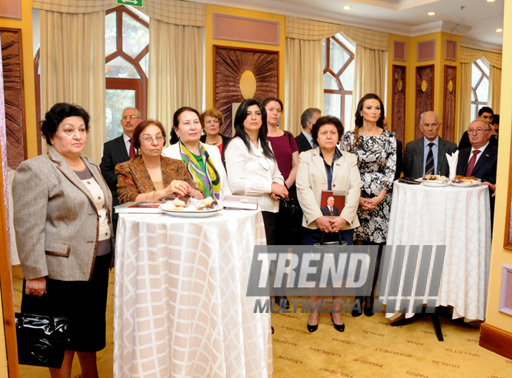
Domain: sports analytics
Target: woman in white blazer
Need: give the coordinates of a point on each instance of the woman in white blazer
(327, 168)
(62, 218)
(251, 166)
(203, 162)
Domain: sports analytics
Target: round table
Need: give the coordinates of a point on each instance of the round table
(455, 217)
(180, 297)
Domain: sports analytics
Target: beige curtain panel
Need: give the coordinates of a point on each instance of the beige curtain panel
(175, 69)
(303, 74)
(495, 88)
(73, 6)
(469, 55)
(176, 12)
(73, 68)
(304, 66)
(464, 99)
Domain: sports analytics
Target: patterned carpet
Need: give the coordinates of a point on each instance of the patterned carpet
(369, 347)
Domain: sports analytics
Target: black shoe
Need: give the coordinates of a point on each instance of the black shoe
(357, 311)
(368, 306)
(312, 328)
(338, 327)
(282, 302)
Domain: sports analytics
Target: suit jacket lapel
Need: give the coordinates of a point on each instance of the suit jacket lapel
(318, 162)
(69, 173)
(421, 154)
(483, 159)
(121, 147)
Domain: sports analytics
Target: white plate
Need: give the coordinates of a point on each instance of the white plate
(467, 184)
(435, 183)
(192, 213)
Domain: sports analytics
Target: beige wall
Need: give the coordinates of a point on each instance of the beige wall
(499, 254)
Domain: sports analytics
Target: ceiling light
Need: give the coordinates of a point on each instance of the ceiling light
(431, 13)
(347, 7)
(491, 1)
(499, 30)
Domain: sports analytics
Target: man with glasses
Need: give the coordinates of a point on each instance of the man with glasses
(427, 155)
(119, 150)
(481, 158)
(486, 114)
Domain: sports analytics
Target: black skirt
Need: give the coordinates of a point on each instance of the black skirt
(84, 303)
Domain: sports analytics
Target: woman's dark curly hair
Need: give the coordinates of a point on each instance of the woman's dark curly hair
(58, 112)
(327, 120)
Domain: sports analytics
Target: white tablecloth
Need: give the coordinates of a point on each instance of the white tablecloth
(180, 303)
(458, 218)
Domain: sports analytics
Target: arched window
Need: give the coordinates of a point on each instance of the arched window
(338, 77)
(126, 64)
(479, 86)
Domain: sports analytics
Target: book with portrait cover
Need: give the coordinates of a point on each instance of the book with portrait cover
(332, 202)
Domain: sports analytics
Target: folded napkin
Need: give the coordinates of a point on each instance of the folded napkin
(452, 163)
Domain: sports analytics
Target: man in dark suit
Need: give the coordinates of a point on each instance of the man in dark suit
(118, 150)
(330, 209)
(304, 140)
(481, 159)
(427, 155)
(487, 115)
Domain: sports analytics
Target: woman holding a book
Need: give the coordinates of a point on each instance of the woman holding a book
(326, 172)
(150, 176)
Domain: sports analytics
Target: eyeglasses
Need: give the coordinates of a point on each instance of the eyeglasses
(478, 131)
(149, 140)
(130, 117)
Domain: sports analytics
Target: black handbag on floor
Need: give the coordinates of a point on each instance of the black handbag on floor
(41, 339)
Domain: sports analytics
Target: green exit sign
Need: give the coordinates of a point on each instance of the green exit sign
(135, 3)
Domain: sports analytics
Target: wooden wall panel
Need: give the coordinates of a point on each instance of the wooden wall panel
(398, 102)
(13, 94)
(236, 70)
(450, 85)
(424, 94)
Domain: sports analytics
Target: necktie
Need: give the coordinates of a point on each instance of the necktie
(132, 150)
(429, 164)
(331, 211)
(472, 162)
(315, 144)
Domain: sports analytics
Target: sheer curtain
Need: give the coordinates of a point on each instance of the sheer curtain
(176, 57)
(73, 61)
(304, 84)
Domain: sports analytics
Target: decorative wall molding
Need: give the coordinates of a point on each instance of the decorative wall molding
(449, 103)
(398, 101)
(424, 94)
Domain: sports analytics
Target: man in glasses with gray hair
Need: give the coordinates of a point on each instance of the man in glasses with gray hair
(119, 150)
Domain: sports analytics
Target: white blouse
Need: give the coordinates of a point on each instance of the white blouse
(250, 173)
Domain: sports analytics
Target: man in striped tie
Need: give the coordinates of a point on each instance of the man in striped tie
(427, 155)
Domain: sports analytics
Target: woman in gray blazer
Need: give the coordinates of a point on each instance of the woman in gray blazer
(62, 219)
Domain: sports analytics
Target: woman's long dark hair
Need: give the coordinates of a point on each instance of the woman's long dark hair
(241, 116)
(359, 117)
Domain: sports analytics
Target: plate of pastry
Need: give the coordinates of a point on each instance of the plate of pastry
(193, 208)
(465, 181)
(435, 180)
